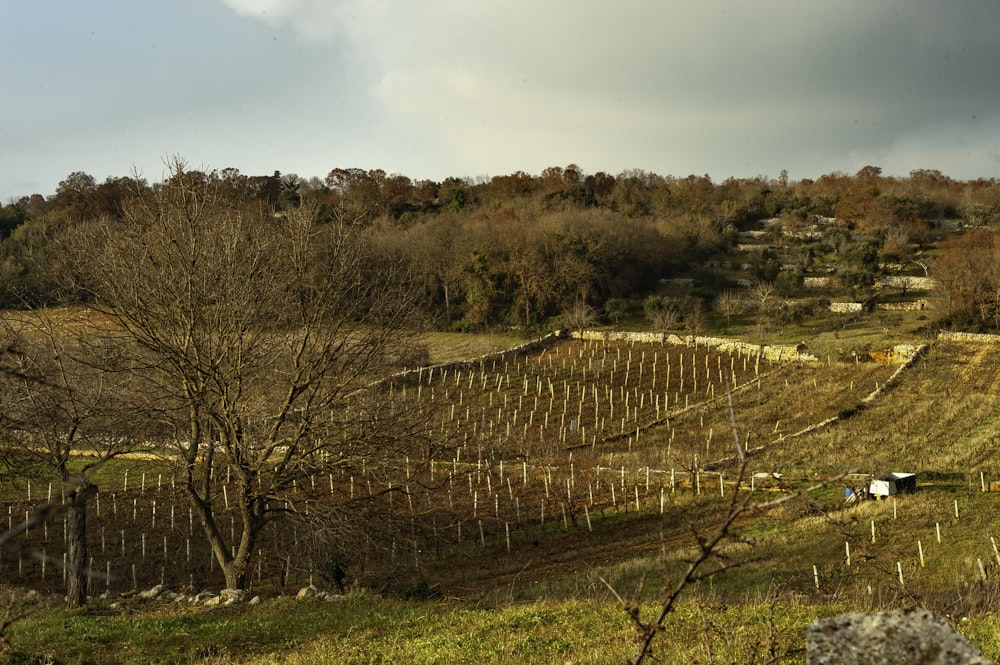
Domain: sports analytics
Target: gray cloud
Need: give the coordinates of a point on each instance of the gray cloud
(452, 87)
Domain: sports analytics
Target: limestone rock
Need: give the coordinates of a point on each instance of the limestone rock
(900, 637)
(152, 593)
(230, 596)
(202, 597)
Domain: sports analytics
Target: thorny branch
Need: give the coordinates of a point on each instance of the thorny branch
(740, 504)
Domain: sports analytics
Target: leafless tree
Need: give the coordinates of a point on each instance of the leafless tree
(729, 304)
(694, 318)
(664, 318)
(579, 317)
(763, 294)
(255, 336)
(65, 400)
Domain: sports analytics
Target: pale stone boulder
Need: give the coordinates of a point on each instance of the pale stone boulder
(900, 637)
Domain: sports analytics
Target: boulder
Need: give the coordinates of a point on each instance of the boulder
(900, 637)
(202, 597)
(151, 593)
(307, 592)
(230, 596)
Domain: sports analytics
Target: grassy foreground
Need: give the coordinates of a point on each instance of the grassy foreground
(372, 630)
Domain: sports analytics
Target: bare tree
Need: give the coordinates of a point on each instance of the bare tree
(64, 402)
(664, 318)
(579, 317)
(729, 304)
(255, 336)
(763, 295)
(694, 318)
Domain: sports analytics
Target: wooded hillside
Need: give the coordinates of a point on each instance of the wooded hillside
(566, 247)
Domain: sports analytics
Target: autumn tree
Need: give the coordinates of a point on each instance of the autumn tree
(255, 336)
(967, 272)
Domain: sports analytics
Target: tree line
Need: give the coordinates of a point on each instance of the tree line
(521, 250)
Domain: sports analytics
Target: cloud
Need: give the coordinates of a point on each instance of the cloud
(452, 87)
(525, 84)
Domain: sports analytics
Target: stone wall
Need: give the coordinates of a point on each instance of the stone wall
(978, 338)
(907, 281)
(410, 376)
(910, 306)
(774, 352)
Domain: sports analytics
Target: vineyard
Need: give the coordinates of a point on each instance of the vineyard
(558, 441)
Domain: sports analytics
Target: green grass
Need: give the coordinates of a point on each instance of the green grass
(371, 630)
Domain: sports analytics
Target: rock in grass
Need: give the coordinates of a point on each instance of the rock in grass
(230, 596)
(307, 592)
(900, 637)
(152, 593)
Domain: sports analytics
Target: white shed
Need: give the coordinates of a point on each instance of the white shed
(893, 483)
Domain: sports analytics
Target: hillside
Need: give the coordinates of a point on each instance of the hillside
(586, 466)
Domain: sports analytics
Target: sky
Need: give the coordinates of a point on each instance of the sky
(475, 88)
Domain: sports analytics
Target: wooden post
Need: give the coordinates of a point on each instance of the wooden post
(920, 551)
(847, 549)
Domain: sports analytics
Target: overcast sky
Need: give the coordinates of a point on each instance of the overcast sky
(469, 88)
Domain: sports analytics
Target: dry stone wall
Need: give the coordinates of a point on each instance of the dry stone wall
(774, 352)
(978, 338)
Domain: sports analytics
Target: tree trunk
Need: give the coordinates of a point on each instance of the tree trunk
(76, 531)
(233, 558)
(237, 569)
